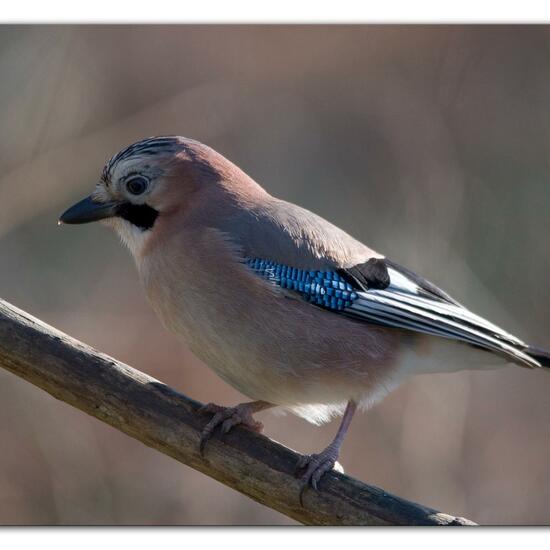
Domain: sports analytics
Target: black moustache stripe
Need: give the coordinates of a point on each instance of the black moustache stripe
(140, 215)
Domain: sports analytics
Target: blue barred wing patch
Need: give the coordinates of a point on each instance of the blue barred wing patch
(323, 288)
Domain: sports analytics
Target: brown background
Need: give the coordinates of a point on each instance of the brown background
(428, 143)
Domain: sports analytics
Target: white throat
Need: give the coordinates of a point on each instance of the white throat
(131, 236)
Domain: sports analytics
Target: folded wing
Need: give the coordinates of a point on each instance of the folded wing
(382, 292)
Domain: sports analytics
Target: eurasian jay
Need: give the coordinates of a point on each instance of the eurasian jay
(287, 308)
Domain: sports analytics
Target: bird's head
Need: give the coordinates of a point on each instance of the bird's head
(153, 179)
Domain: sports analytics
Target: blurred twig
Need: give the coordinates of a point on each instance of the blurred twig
(167, 421)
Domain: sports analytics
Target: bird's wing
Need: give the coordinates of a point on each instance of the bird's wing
(382, 292)
(308, 256)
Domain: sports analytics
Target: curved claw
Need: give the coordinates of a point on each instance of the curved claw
(302, 491)
(227, 417)
(207, 431)
(316, 466)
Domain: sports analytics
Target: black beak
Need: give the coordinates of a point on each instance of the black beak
(87, 211)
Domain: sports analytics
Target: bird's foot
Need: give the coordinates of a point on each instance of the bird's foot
(228, 417)
(316, 465)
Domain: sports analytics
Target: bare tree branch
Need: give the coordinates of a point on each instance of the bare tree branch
(167, 421)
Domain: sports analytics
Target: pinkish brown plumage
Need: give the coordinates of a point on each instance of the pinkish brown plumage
(281, 304)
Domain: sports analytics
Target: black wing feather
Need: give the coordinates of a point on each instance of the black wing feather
(391, 295)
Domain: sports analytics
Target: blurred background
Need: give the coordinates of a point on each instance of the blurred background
(430, 143)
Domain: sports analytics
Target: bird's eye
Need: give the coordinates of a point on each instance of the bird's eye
(137, 185)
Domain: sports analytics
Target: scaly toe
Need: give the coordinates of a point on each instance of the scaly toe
(302, 463)
(227, 417)
(316, 466)
(313, 466)
(229, 423)
(208, 430)
(320, 471)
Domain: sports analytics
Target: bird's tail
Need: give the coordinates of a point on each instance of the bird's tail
(539, 354)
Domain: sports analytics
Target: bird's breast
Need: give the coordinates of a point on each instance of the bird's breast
(265, 343)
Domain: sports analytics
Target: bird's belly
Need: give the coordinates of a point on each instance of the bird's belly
(281, 350)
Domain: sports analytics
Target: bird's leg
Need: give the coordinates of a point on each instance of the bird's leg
(228, 417)
(317, 464)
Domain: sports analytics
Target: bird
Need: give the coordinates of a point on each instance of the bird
(281, 304)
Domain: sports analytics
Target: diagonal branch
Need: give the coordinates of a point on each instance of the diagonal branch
(167, 421)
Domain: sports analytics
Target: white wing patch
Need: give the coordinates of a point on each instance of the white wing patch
(400, 283)
(403, 304)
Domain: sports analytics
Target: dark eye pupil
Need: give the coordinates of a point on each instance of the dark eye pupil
(136, 186)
